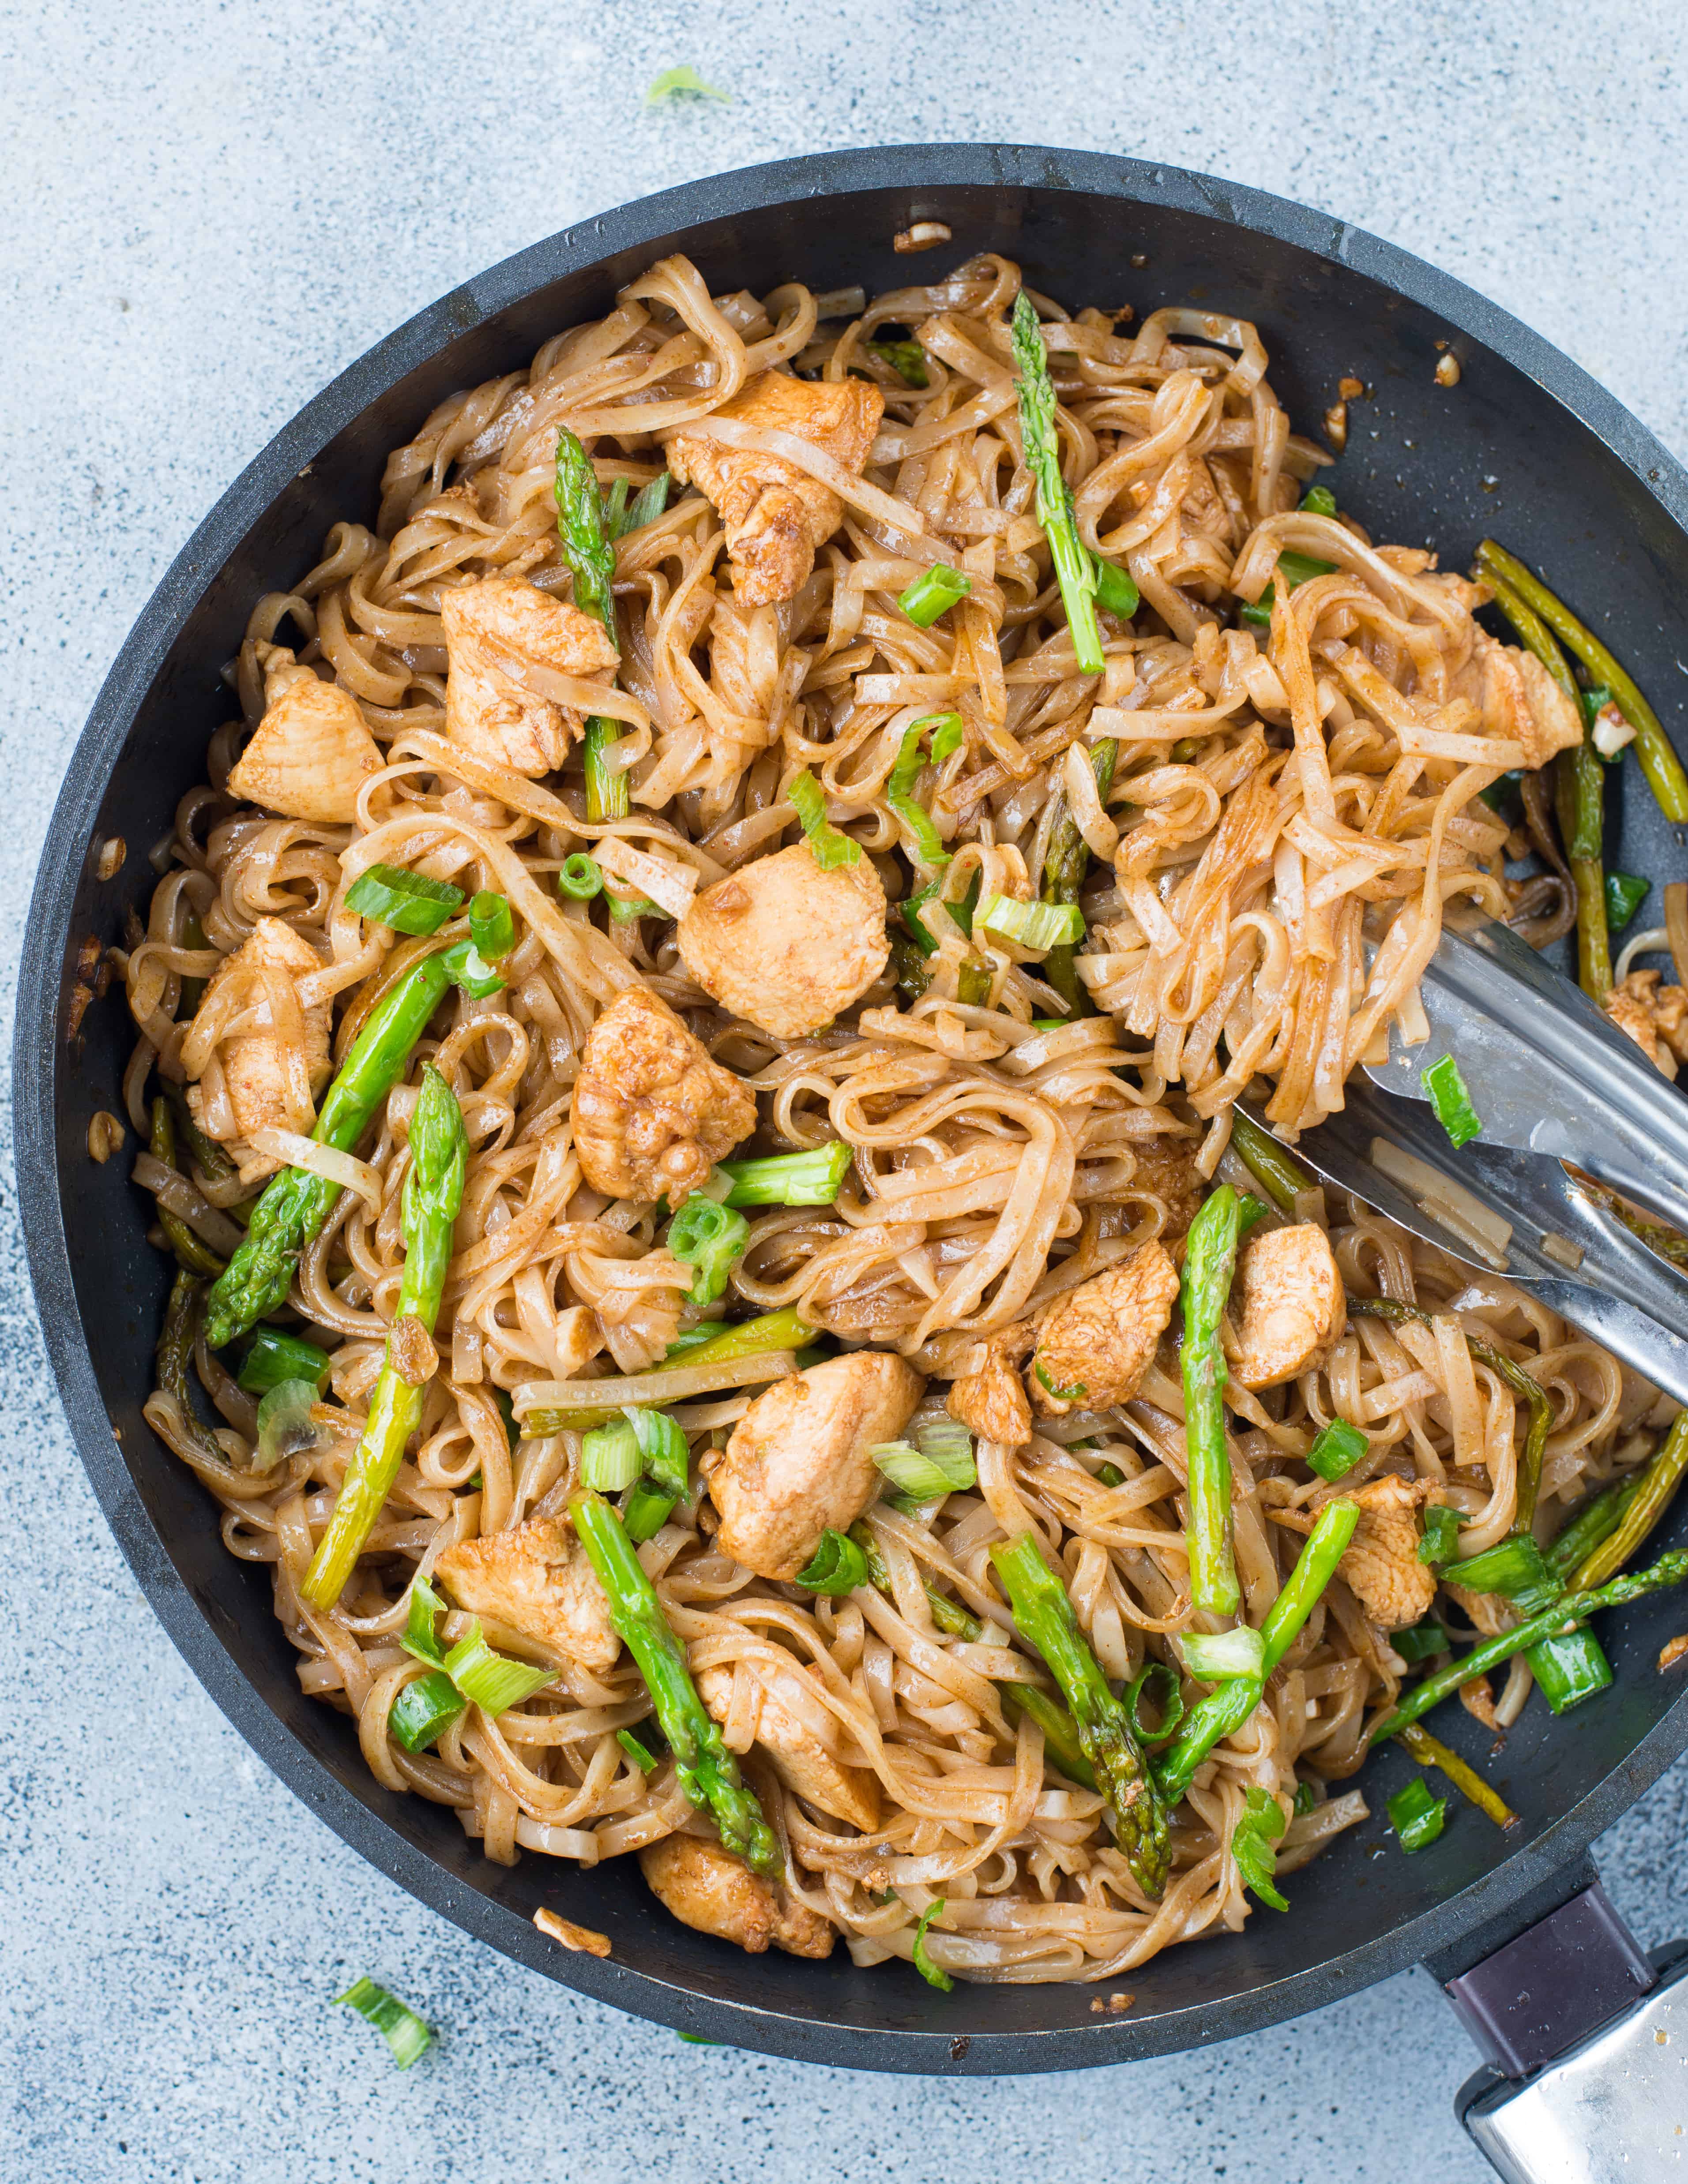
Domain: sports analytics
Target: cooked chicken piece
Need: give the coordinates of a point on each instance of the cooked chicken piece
(1100, 1340)
(1380, 1564)
(1489, 1614)
(1166, 1169)
(1293, 1306)
(312, 751)
(706, 1887)
(538, 1579)
(1521, 699)
(991, 1402)
(777, 515)
(253, 1061)
(652, 1112)
(1655, 1016)
(785, 945)
(798, 1463)
(493, 628)
(799, 1738)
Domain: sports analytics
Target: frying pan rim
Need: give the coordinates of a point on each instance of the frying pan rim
(911, 170)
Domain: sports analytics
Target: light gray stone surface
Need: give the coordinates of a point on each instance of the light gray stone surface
(211, 210)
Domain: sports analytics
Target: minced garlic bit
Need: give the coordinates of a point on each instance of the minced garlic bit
(1351, 389)
(1336, 426)
(1447, 370)
(105, 1134)
(922, 236)
(1673, 1653)
(581, 1939)
(113, 851)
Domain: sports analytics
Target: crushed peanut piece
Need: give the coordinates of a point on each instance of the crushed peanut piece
(1351, 389)
(1673, 1653)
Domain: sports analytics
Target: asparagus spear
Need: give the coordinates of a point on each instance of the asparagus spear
(174, 1353)
(591, 560)
(1045, 1619)
(750, 1338)
(1065, 863)
(1073, 568)
(1644, 1506)
(1279, 1176)
(296, 1203)
(192, 1252)
(1210, 1262)
(1430, 1751)
(708, 1772)
(1570, 1613)
(433, 1192)
(1598, 1520)
(1659, 761)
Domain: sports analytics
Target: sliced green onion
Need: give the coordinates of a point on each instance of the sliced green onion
(948, 1444)
(491, 925)
(645, 1511)
(907, 359)
(647, 505)
(419, 1638)
(934, 593)
(710, 1240)
(664, 1452)
(838, 1565)
(1035, 925)
(1169, 1701)
(1450, 1101)
(1440, 1541)
(1513, 1569)
(1569, 1668)
(1215, 1655)
(1305, 1800)
(404, 2031)
(610, 1456)
(1318, 500)
(580, 878)
(490, 1681)
(424, 1710)
(642, 1756)
(828, 846)
(465, 967)
(900, 796)
(683, 83)
(1253, 1844)
(1295, 569)
(1415, 1816)
(1116, 589)
(1593, 1524)
(923, 1478)
(274, 1357)
(403, 900)
(814, 1177)
(948, 734)
(284, 1426)
(501, 1397)
(1422, 1642)
(1625, 892)
(1337, 1449)
(933, 1974)
(1075, 1394)
(608, 793)
(624, 908)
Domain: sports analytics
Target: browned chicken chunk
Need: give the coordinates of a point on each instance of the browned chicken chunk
(786, 945)
(801, 1740)
(1293, 1307)
(798, 1463)
(992, 1403)
(312, 751)
(652, 1112)
(538, 1579)
(774, 515)
(1166, 1169)
(706, 1887)
(495, 628)
(1380, 1565)
(254, 1062)
(1654, 1016)
(1100, 1340)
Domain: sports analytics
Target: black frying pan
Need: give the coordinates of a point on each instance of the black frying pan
(1525, 446)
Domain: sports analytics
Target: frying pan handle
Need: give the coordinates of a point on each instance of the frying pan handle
(1587, 2042)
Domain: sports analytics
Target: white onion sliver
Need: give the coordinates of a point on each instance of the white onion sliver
(294, 1151)
(177, 1196)
(673, 1386)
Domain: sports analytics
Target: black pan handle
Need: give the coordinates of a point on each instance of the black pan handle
(1585, 2039)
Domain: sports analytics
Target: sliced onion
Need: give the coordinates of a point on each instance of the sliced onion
(284, 1423)
(177, 1196)
(292, 1150)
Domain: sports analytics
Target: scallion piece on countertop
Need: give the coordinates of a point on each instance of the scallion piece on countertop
(838, 1565)
(1254, 1844)
(1318, 500)
(1441, 1542)
(710, 1240)
(907, 359)
(813, 1177)
(933, 1974)
(1336, 1449)
(273, 1357)
(828, 846)
(1569, 1668)
(424, 1710)
(581, 879)
(1075, 567)
(491, 925)
(1450, 1101)
(1415, 1816)
(641, 1755)
(682, 83)
(934, 592)
(399, 2024)
(1034, 925)
(1625, 892)
(284, 1426)
(404, 901)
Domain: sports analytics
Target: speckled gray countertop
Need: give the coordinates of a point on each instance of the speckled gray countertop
(212, 208)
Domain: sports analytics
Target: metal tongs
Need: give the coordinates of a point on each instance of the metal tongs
(1557, 1087)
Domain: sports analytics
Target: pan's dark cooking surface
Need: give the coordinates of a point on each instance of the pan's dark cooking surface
(1524, 446)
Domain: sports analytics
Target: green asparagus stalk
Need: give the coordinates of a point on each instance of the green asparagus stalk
(1570, 1613)
(174, 1354)
(1073, 568)
(750, 1338)
(1066, 862)
(708, 1772)
(1646, 1504)
(1044, 1615)
(1595, 1522)
(1279, 1176)
(591, 560)
(433, 1192)
(192, 1253)
(296, 1203)
(1653, 748)
(1224, 1711)
(1210, 1262)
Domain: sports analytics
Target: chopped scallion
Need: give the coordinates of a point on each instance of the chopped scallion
(682, 83)
(490, 1681)
(580, 878)
(1033, 925)
(1318, 500)
(647, 505)
(1295, 569)
(926, 1478)
(404, 2031)
(814, 1177)
(837, 1567)
(829, 848)
(1450, 1101)
(1422, 1642)
(1513, 1569)
(710, 1240)
(284, 1426)
(1625, 892)
(1166, 1696)
(610, 1456)
(1570, 1667)
(424, 1710)
(403, 901)
(1441, 1534)
(907, 359)
(1116, 589)
(1337, 1449)
(1254, 1844)
(642, 1756)
(1415, 1816)
(465, 966)
(491, 925)
(1216, 1655)
(273, 1357)
(933, 1974)
(934, 593)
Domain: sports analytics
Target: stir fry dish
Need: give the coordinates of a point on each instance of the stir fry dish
(691, 1045)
